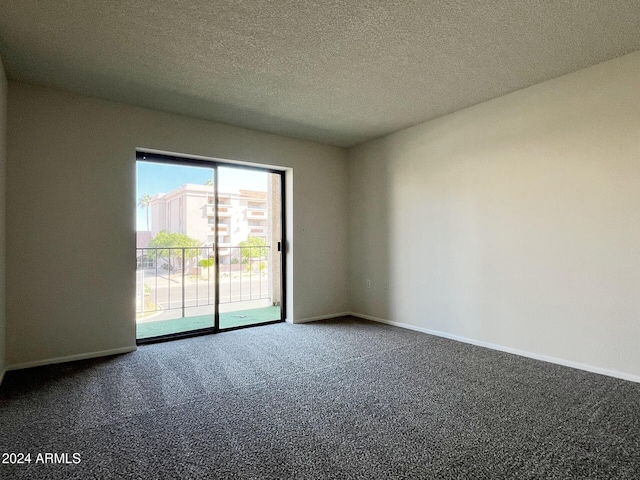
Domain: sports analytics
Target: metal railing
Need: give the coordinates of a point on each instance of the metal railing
(171, 278)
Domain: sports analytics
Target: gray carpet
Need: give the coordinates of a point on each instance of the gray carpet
(336, 399)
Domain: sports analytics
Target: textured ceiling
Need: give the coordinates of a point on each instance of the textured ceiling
(336, 71)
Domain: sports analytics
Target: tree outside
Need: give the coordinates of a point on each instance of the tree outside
(145, 202)
(206, 264)
(253, 248)
(169, 245)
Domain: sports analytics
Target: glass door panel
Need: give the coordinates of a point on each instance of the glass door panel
(249, 239)
(175, 249)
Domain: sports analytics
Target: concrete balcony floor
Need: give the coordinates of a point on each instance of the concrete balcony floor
(238, 318)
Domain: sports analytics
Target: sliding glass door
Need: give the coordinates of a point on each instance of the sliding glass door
(208, 247)
(249, 235)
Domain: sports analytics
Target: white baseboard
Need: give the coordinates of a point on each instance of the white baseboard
(71, 358)
(515, 351)
(321, 317)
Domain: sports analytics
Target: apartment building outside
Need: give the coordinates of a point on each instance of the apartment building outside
(190, 209)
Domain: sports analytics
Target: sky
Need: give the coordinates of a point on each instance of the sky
(153, 178)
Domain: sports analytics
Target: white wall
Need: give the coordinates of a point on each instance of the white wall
(71, 225)
(3, 163)
(514, 223)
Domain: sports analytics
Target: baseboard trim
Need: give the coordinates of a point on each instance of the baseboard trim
(321, 317)
(71, 358)
(501, 348)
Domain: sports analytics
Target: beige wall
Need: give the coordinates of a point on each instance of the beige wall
(70, 212)
(513, 224)
(3, 163)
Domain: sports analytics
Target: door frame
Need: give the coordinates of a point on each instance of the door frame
(151, 157)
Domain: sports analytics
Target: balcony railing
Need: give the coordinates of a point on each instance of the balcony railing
(180, 278)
